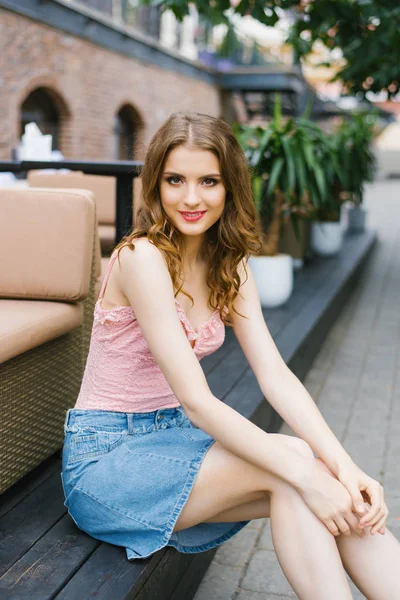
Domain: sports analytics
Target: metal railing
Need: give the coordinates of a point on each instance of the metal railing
(145, 19)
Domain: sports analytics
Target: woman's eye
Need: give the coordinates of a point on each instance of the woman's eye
(173, 177)
(170, 178)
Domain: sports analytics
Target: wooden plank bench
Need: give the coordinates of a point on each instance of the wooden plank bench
(43, 555)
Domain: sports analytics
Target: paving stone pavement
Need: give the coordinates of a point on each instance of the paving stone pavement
(355, 381)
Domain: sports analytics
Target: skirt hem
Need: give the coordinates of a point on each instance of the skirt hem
(166, 540)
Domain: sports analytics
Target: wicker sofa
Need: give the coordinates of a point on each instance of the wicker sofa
(49, 274)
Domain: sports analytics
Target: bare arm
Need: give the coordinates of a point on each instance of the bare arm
(147, 284)
(279, 384)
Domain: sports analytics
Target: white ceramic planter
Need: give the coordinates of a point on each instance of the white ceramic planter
(326, 237)
(356, 219)
(298, 263)
(274, 278)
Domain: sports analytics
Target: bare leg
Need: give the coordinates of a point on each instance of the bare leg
(306, 549)
(373, 563)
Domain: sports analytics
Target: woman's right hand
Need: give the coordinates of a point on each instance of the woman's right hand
(330, 501)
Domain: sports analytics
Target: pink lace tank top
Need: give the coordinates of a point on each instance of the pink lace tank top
(121, 373)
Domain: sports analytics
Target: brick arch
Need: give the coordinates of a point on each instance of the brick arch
(128, 122)
(48, 88)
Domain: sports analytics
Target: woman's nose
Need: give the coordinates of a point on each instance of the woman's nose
(192, 196)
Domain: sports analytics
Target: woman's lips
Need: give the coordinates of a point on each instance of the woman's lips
(189, 217)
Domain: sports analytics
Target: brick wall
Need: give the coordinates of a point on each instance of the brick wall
(89, 85)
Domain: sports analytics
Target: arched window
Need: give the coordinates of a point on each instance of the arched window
(40, 108)
(126, 129)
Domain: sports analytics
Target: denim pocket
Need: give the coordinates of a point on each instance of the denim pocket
(186, 427)
(183, 420)
(89, 443)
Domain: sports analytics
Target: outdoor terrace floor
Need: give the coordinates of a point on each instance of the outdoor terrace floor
(44, 556)
(355, 381)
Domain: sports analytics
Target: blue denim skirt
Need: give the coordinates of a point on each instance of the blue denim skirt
(126, 478)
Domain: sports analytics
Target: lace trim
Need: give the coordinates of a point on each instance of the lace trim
(207, 329)
(114, 315)
(117, 314)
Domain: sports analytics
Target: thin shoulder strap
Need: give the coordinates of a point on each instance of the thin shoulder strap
(107, 274)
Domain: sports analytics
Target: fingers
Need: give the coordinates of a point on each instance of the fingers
(380, 525)
(344, 524)
(353, 521)
(376, 519)
(377, 510)
(331, 525)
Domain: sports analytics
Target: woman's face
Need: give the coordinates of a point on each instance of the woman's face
(191, 182)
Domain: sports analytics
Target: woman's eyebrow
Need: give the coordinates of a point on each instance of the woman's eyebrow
(201, 177)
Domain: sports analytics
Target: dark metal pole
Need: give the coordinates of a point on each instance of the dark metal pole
(124, 216)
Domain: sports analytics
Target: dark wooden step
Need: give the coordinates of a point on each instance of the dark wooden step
(43, 555)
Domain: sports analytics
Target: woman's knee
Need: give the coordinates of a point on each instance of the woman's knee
(298, 445)
(303, 447)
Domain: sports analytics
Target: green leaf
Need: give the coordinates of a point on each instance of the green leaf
(265, 138)
(257, 184)
(309, 154)
(320, 179)
(308, 108)
(291, 172)
(301, 173)
(274, 176)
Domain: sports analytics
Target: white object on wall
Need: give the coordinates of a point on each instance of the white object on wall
(34, 145)
(168, 29)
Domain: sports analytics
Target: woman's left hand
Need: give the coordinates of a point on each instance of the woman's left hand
(363, 488)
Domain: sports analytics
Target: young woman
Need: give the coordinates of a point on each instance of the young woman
(151, 457)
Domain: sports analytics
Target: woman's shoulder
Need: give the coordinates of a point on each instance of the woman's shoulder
(143, 243)
(144, 253)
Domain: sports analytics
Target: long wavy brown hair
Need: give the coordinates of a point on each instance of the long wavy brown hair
(235, 235)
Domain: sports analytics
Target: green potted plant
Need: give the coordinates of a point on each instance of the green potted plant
(327, 228)
(297, 245)
(289, 184)
(348, 163)
(358, 163)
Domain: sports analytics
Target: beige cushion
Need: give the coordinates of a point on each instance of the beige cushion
(46, 244)
(102, 186)
(25, 324)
